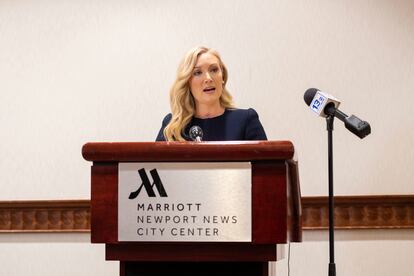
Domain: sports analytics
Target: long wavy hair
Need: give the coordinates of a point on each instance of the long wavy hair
(182, 101)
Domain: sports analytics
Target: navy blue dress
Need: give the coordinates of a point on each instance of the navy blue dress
(233, 124)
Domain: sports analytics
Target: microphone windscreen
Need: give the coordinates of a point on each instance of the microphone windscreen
(309, 95)
(196, 132)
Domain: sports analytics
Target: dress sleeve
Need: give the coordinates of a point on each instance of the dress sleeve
(254, 129)
(165, 121)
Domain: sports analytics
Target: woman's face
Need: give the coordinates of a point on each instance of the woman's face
(206, 82)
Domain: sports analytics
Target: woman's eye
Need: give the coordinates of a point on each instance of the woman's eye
(214, 70)
(196, 73)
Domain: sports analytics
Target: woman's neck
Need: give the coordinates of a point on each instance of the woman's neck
(205, 111)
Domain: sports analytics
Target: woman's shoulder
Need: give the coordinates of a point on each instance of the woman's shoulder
(242, 113)
(248, 122)
(166, 119)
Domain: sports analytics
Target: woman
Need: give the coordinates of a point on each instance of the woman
(199, 97)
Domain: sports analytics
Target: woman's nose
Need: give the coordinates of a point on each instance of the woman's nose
(208, 77)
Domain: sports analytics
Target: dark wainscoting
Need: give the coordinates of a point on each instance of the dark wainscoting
(351, 212)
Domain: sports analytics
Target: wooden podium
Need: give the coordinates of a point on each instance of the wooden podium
(275, 201)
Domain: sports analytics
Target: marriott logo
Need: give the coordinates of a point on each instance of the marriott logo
(149, 187)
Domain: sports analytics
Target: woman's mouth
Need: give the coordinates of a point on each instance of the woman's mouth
(209, 90)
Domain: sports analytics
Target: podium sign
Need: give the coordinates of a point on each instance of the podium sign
(185, 202)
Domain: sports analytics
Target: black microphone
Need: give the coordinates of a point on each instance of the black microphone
(196, 133)
(325, 105)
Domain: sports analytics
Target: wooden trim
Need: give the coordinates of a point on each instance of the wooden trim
(351, 212)
(188, 151)
(31, 216)
(360, 212)
(178, 252)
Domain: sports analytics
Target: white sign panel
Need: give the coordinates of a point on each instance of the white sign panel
(198, 202)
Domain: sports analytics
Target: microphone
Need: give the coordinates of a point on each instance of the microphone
(326, 105)
(318, 100)
(196, 133)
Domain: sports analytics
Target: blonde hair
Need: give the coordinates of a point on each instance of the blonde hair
(182, 101)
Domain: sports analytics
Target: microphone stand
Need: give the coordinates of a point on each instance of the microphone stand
(329, 127)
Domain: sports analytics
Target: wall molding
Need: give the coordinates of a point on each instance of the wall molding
(39, 216)
(351, 212)
(360, 212)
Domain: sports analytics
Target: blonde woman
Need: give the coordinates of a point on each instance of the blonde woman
(199, 97)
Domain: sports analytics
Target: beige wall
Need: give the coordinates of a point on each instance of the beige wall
(79, 71)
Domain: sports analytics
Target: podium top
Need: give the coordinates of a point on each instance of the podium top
(188, 151)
